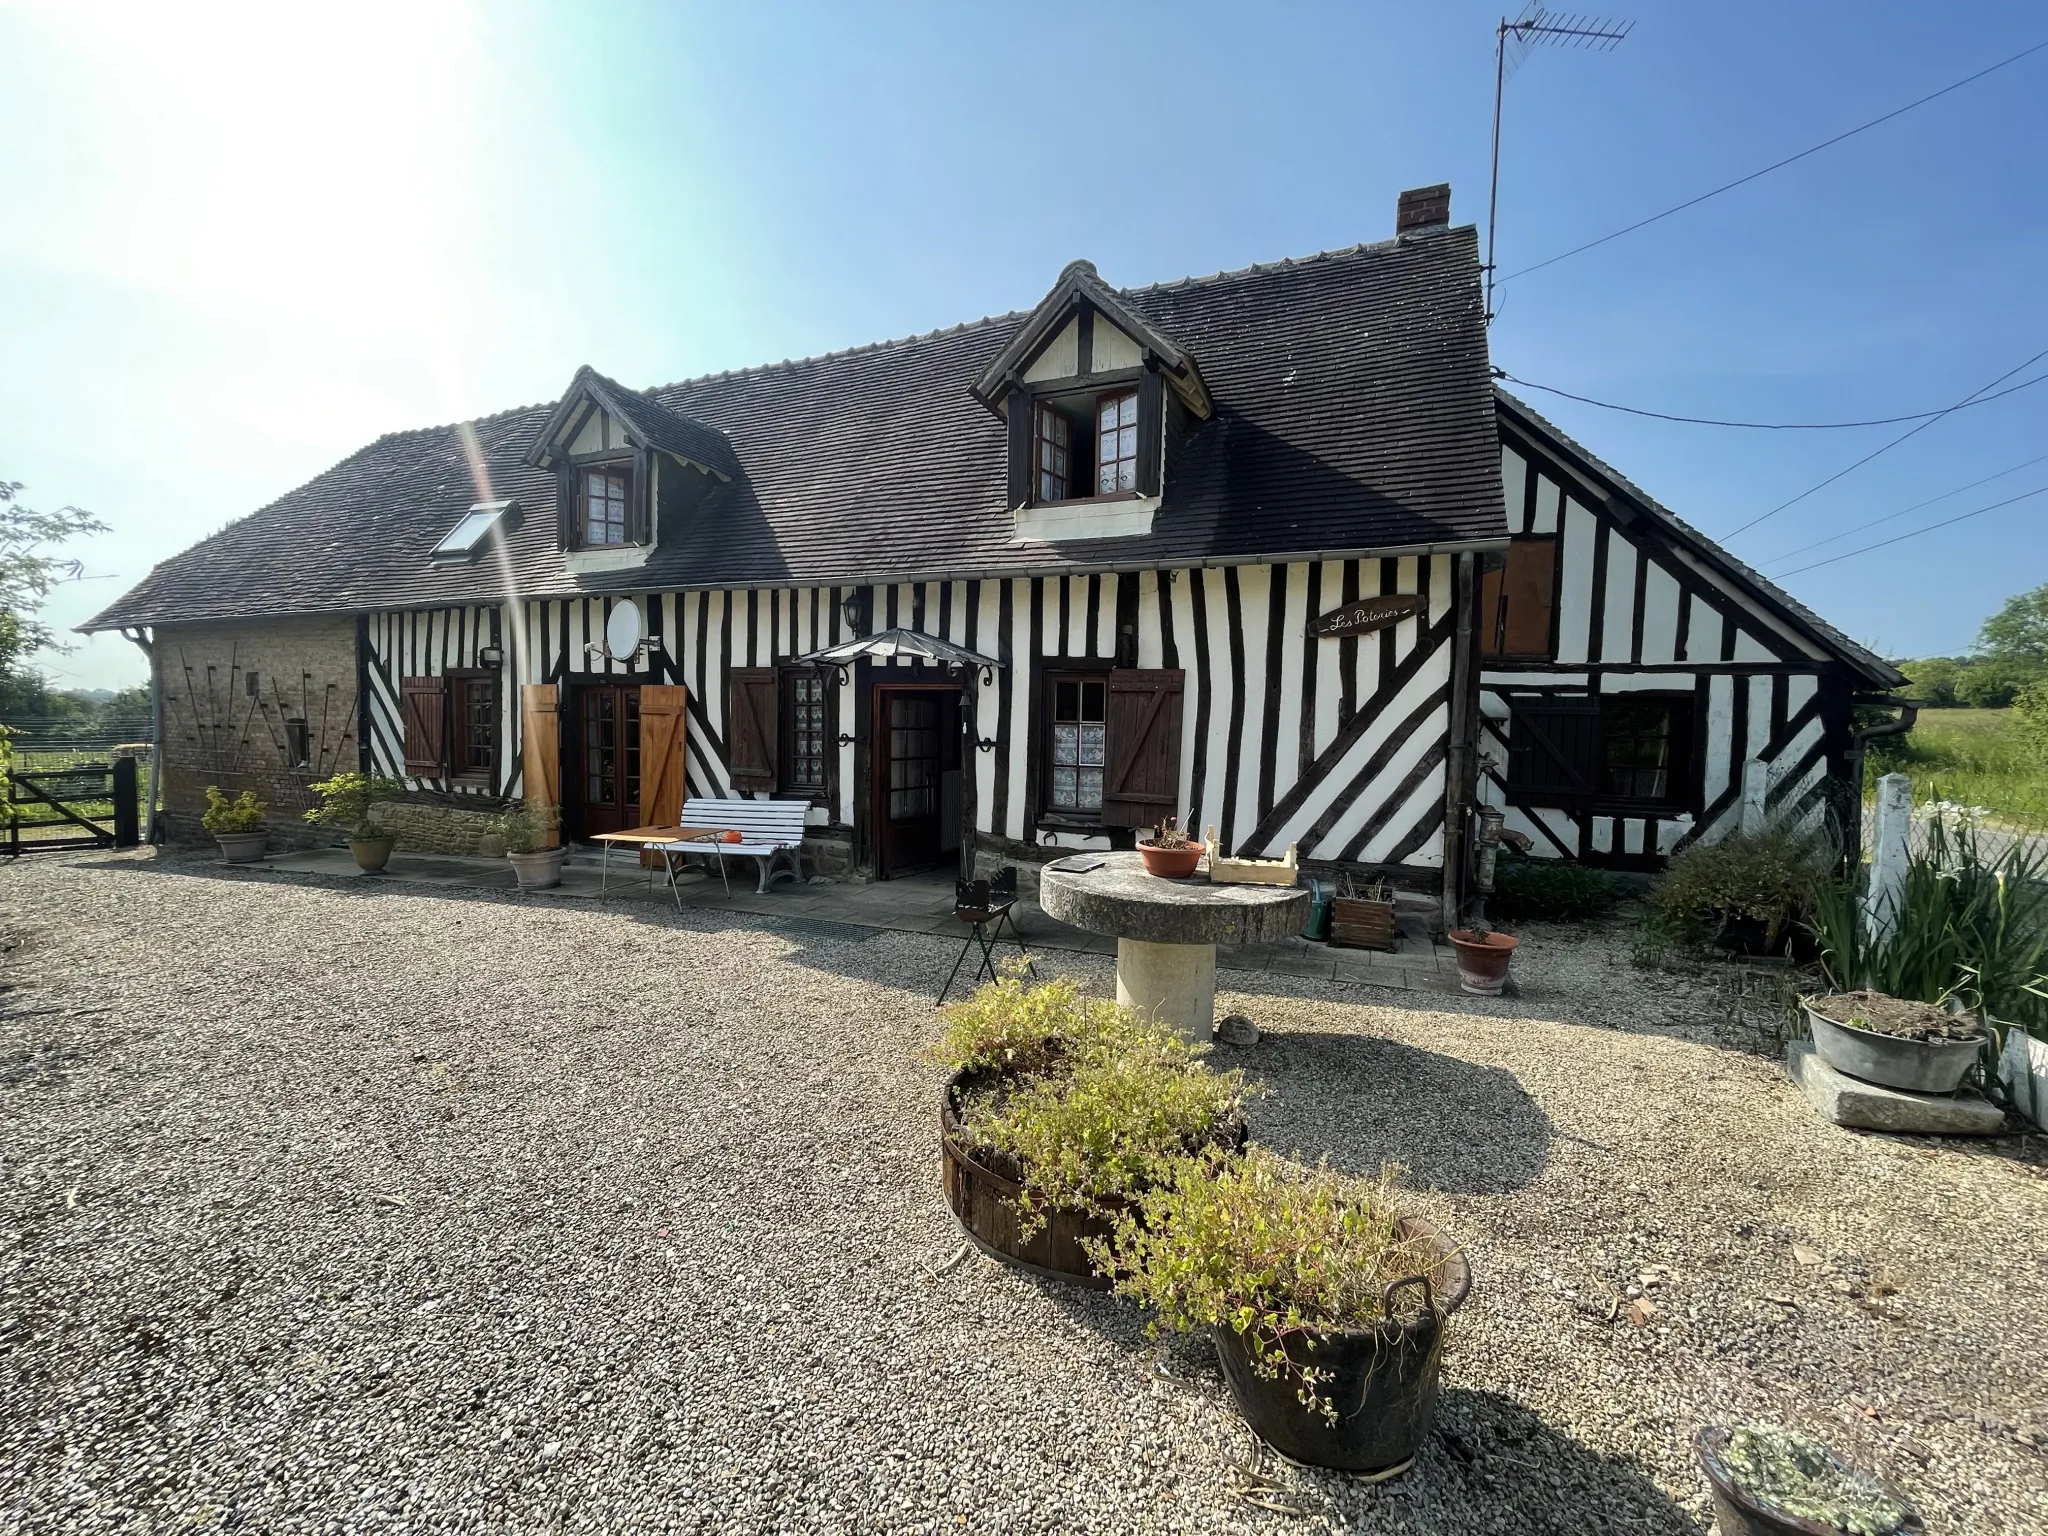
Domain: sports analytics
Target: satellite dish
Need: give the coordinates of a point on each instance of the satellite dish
(623, 630)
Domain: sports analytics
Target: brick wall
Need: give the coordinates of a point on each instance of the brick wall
(217, 731)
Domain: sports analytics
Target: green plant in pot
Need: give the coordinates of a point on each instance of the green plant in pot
(1768, 1481)
(1328, 1299)
(528, 832)
(346, 801)
(1059, 1110)
(1747, 892)
(237, 824)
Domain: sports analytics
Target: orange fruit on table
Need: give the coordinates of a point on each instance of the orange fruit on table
(732, 837)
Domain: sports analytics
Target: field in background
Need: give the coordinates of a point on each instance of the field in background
(1971, 757)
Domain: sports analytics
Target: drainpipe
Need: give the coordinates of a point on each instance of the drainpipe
(1464, 706)
(1853, 832)
(146, 644)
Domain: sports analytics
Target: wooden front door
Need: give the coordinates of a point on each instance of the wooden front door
(916, 745)
(603, 789)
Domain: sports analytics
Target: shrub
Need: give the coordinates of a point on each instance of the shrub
(1549, 888)
(1267, 1248)
(1090, 1101)
(1768, 877)
(345, 801)
(1967, 925)
(526, 828)
(244, 813)
(2030, 707)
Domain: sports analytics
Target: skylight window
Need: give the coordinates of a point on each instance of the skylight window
(467, 536)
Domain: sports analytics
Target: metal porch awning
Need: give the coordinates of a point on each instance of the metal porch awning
(892, 645)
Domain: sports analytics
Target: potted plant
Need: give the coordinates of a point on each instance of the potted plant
(1918, 1047)
(1483, 958)
(345, 801)
(1773, 1482)
(1328, 1302)
(237, 824)
(525, 830)
(1169, 852)
(1746, 893)
(1060, 1108)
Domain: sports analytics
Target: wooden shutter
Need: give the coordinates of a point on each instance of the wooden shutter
(750, 727)
(565, 504)
(1141, 758)
(640, 511)
(1150, 401)
(1553, 751)
(1529, 590)
(423, 705)
(1489, 615)
(540, 738)
(662, 726)
(1023, 472)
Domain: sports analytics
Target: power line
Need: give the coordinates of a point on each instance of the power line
(1770, 426)
(1888, 447)
(1879, 522)
(1930, 528)
(1694, 202)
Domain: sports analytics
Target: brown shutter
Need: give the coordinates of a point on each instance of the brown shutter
(1553, 752)
(639, 518)
(1530, 586)
(423, 703)
(1023, 472)
(750, 727)
(1150, 393)
(1141, 778)
(565, 504)
(540, 738)
(661, 755)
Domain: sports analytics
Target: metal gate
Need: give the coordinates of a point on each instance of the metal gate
(81, 805)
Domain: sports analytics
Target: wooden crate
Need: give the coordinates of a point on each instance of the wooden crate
(1229, 871)
(1357, 922)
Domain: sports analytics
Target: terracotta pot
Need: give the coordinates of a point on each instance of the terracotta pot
(539, 869)
(1170, 863)
(372, 853)
(1383, 1380)
(242, 847)
(1483, 959)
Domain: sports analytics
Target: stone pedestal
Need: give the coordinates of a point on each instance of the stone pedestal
(1174, 983)
(1845, 1100)
(1166, 931)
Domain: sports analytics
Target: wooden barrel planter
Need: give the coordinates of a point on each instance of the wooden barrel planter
(982, 1187)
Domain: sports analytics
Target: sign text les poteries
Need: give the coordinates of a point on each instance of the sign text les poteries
(1369, 614)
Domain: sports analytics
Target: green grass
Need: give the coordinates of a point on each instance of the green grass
(1972, 757)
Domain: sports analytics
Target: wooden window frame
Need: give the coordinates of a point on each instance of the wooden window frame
(785, 747)
(1042, 413)
(1054, 671)
(460, 684)
(1117, 397)
(1683, 769)
(626, 470)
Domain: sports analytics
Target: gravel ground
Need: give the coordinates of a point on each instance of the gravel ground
(334, 1209)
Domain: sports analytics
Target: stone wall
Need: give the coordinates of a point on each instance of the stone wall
(424, 825)
(231, 693)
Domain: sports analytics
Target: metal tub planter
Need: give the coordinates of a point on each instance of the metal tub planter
(1771, 1482)
(1933, 1055)
(1382, 1381)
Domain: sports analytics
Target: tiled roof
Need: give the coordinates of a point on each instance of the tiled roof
(658, 427)
(1874, 667)
(1354, 411)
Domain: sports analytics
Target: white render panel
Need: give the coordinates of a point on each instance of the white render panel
(1661, 597)
(1113, 349)
(1749, 648)
(1617, 635)
(1575, 596)
(1514, 471)
(1293, 638)
(1703, 632)
(1720, 736)
(1549, 505)
(1641, 682)
(1061, 358)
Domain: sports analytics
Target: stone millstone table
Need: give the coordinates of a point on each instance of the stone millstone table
(1166, 931)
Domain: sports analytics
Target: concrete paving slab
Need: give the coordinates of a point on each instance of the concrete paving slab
(1848, 1101)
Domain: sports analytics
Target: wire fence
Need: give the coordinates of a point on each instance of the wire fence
(1995, 836)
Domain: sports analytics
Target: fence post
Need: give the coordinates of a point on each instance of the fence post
(127, 819)
(1889, 845)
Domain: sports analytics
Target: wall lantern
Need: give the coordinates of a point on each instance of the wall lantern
(855, 611)
(491, 656)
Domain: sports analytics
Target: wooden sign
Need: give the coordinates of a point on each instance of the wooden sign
(1369, 614)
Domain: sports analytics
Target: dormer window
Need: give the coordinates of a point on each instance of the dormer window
(1085, 445)
(604, 498)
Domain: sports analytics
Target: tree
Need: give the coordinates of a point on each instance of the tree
(2018, 633)
(27, 572)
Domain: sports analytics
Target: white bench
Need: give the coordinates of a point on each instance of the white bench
(771, 832)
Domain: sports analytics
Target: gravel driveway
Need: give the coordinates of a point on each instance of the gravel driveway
(339, 1209)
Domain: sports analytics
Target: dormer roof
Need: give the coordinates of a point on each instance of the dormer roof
(1081, 286)
(646, 423)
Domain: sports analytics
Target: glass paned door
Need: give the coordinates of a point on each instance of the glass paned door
(607, 760)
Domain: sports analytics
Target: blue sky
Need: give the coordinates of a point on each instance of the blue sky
(239, 242)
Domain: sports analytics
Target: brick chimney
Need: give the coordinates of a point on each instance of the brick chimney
(1423, 208)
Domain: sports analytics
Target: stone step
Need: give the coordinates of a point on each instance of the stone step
(1849, 1101)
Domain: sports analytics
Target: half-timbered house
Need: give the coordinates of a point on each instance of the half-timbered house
(1264, 551)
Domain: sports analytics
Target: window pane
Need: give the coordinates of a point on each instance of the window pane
(1065, 793)
(1127, 411)
(1091, 745)
(1090, 789)
(1107, 418)
(1066, 701)
(1066, 743)
(1091, 701)
(1127, 476)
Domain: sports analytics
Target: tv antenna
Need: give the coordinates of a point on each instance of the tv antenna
(1512, 40)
